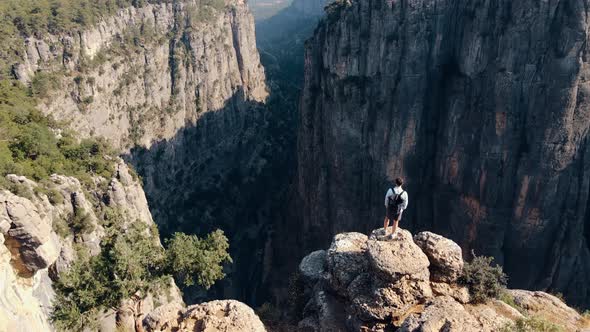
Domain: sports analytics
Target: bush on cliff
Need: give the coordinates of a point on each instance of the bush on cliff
(484, 280)
(131, 264)
(33, 145)
(191, 259)
(531, 324)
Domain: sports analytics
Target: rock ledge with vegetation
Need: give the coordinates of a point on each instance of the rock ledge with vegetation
(420, 283)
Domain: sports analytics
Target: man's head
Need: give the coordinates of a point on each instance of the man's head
(399, 182)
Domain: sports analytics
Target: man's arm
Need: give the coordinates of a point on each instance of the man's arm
(405, 200)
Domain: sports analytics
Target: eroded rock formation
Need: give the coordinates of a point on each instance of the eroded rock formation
(481, 106)
(37, 244)
(377, 283)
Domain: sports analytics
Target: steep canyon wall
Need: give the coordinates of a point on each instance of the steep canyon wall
(483, 106)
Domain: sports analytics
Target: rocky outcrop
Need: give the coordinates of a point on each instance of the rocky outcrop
(222, 315)
(399, 289)
(38, 242)
(481, 107)
(445, 255)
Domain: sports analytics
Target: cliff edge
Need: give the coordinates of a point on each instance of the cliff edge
(373, 283)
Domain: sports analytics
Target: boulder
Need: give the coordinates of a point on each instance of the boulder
(29, 235)
(163, 316)
(373, 298)
(457, 292)
(493, 315)
(445, 256)
(442, 314)
(313, 266)
(224, 315)
(324, 312)
(346, 259)
(396, 258)
(547, 306)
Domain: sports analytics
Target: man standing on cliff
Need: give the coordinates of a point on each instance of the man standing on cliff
(396, 201)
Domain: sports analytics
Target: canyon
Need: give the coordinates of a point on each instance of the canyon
(287, 131)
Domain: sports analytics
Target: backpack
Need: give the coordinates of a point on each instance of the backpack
(395, 201)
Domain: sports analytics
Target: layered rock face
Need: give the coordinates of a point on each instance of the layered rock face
(37, 245)
(377, 283)
(141, 75)
(481, 107)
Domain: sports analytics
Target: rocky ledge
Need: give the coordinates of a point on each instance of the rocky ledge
(374, 283)
(220, 315)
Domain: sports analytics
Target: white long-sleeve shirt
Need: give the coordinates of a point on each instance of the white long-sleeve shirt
(397, 190)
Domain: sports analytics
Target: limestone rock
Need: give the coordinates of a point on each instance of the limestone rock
(324, 312)
(313, 266)
(223, 315)
(394, 259)
(493, 315)
(445, 256)
(223, 65)
(373, 299)
(442, 314)
(29, 236)
(547, 306)
(162, 317)
(457, 292)
(126, 194)
(393, 292)
(346, 259)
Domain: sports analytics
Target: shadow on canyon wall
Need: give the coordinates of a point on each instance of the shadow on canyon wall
(232, 170)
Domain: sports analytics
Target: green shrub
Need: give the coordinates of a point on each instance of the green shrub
(509, 300)
(559, 296)
(20, 190)
(131, 262)
(54, 196)
(60, 227)
(189, 258)
(484, 280)
(44, 82)
(81, 222)
(29, 145)
(532, 324)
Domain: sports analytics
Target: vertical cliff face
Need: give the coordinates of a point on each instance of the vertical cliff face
(309, 7)
(141, 75)
(482, 106)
